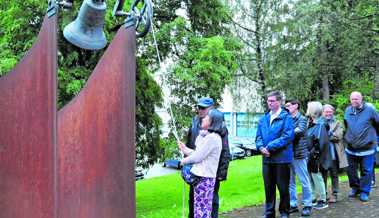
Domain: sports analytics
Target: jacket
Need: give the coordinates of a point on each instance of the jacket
(300, 147)
(206, 155)
(318, 142)
(223, 165)
(360, 128)
(276, 138)
(193, 132)
(336, 138)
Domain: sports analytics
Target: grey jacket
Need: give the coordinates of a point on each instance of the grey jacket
(360, 128)
(300, 146)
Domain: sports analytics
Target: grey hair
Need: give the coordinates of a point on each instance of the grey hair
(217, 121)
(328, 106)
(314, 109)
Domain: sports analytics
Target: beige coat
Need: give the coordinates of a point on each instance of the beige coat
(337, 139)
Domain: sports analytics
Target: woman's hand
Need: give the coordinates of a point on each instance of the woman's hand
(181, 145)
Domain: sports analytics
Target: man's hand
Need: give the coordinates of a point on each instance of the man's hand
(265, 152)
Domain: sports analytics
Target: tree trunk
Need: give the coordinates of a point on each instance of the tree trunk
(259, 56)
(376, 89)
(325, 87)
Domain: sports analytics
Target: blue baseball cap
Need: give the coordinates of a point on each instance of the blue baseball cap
(205, 102)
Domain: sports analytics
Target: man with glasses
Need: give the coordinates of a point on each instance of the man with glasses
(299, 163)
(274, 138)
(204, 105)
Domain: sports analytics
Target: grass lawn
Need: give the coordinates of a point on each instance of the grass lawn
(163, 196)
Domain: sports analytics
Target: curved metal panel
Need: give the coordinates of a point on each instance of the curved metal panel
(27, 130)
(96, 139)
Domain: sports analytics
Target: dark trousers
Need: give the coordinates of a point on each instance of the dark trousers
(333, 170)
(364, 163)
(215, 202)
(276, 175)
(190, 203)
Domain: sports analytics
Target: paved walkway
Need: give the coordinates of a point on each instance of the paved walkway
(344, 208)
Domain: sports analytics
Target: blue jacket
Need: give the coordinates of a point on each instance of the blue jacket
(360, 128)
(277, 138)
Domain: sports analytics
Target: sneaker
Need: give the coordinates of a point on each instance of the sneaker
(321, 205)
(293, 209)
(373, 185)
(353, 193)
(363, 197)
(314, 202)
(306, 211)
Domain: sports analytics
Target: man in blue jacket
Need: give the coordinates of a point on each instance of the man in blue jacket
(360, 137)
(274, 138)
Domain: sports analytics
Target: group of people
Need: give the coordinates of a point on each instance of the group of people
(312, 147)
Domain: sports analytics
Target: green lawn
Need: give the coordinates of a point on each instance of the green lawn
(163, 196)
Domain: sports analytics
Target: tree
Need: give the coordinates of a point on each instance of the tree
(203, 54)
(20, 22)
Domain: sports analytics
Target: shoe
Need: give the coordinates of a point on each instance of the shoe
(332, 198)
(283, 215)
(353, 193)
(373, 185)
(314, 202)
(363, 197)
(306, 211)
(321, 205)
(293, 209)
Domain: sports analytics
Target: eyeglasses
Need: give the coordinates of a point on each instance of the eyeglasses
(271, 100)
(201, 108)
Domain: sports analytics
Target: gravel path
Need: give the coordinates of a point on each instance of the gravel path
(344, 208)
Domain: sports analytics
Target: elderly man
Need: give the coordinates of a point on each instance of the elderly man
(204, 105)
(336, 150)
(299, 163)
(274, 140)
(360, 121)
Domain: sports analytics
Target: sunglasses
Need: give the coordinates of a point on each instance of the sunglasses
(201, 108)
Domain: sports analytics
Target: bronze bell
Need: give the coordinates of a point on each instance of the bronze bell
(86, 31)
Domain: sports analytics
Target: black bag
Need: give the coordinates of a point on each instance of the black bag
(188, 176)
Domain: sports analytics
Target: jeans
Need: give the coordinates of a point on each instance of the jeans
(318, 186)
(276, 175)
(364, 164)
(299, 168)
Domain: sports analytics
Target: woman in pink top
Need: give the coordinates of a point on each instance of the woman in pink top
(205, 161)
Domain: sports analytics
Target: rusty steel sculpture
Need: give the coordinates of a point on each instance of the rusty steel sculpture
(78, 162)
(28, 129)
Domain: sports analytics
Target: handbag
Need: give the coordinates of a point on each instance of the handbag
(188, 176)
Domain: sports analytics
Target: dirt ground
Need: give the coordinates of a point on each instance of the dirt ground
(344, 208)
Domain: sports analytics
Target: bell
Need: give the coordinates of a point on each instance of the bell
(86, 31)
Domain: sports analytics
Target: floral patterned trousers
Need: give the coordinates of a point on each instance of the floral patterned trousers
(203, 196)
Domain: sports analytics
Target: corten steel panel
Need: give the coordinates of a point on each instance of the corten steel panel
(28, 130)
(96, 139)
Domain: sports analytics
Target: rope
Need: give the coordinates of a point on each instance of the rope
(175, 132)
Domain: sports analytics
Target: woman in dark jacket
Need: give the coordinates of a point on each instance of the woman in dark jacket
(318, 142)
